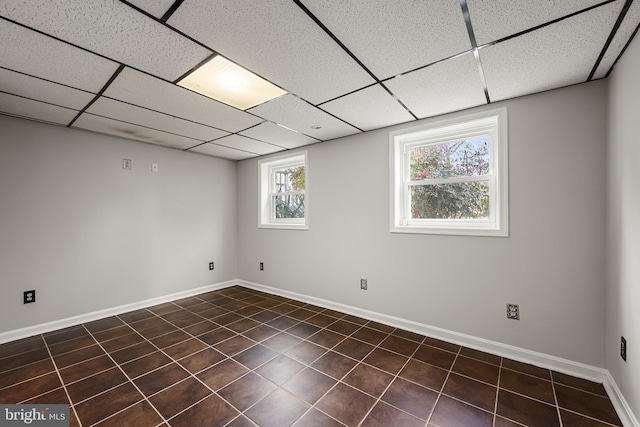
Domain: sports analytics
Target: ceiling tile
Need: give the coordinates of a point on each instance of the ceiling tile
(41, 56)
(441, 88)
(145, 91)
(221, 151)
(369, 108)
(276, 40)
(496, 19)
(278, 135)
(113, 29)
(298, 115)
(42, 90)
(22, 107)
(130, 131)
(129, 113)
(247, 144)
(624, 33)
(156, 8)
(390, 37)
(558, 55)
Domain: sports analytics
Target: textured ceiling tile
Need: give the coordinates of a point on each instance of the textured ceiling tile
(42, 90)
(22, 107)
(558, 55)
(113, 29)
(127, 130)
(369, 108)
(278, 135)
(129, 113)
(495, 19)
(276, 40)
(156, 8)
(391, 37)
(296, 114)
(41, 56)
(247, 144)
(145, 91)
(222, 151)
(628, 26)
(441, 88)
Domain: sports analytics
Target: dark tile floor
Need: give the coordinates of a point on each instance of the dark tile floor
(239, 357)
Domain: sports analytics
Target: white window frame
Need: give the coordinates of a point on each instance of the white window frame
(492, 123)
(266, 169)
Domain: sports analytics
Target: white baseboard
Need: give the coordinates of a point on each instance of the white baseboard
(542, 360)
(96, 315)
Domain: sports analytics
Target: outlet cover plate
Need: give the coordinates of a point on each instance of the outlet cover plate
(363, 284)
(623, 348)
(513, 311)
(29, 297)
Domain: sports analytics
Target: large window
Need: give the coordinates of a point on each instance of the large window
(283, 192)
(451, 177)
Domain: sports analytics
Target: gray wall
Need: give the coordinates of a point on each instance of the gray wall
(88, 235)
(552, 264)
(623, 225)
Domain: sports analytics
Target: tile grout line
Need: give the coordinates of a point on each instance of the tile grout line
(64, 387)
(435, 404)
(396, 376)
(144, 397)
(555, 399)
(495, 405)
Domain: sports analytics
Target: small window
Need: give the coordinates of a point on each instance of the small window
(451, 177)
(283, 192)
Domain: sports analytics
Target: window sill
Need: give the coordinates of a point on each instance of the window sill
(458, 231)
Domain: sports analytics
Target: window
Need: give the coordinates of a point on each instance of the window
(283, 192)
(451, 177)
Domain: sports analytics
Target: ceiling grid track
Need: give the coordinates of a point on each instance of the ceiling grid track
(474, 47)
(614, 30)
(355, 58)
(98, 95)
(633, 35)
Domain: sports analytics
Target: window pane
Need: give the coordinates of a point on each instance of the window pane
(467, 200)
(289, 179)
(289, 206)
(458, 158)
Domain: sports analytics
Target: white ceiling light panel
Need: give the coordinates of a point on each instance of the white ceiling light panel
(130, 113)
(113, 29)
(22, 107)
(532, 63)
(140, 89)
(275, 134)
(227, 82)
(441, 88)
(131, 131)
(42, 90)
(496, 19)
(296, 114)
(41, 56)
(276, 40)
(392, 37)
(222, 151)
(369, 108)
(628, 26)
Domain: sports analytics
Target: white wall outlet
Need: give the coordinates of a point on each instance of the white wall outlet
(513, 311)
(126, 164)
(363, 284)
(154, 167)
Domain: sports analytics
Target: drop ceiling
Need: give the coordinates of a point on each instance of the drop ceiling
(348, 66)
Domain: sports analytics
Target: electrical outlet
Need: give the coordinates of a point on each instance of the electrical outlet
(211, 266)
(513, 311)
(126, 164)
(261, 266)
(29, 297)
(363, 284)
(623, 348)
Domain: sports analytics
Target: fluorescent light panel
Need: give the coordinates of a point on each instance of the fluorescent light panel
(227, 82)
